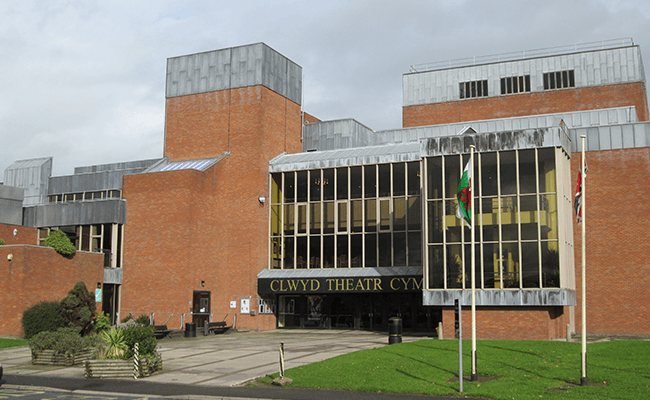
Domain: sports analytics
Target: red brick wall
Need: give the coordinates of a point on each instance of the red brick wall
(37, 274)
(184, 227)
(579, 99)
(514, 323)
(618, 249)
(24, 234)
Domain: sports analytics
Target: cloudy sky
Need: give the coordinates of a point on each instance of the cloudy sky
(84, 81)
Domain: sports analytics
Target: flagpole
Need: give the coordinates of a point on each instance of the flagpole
(474, 375)
(583, 211)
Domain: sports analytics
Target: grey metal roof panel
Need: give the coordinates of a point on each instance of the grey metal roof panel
(199, 165)
(347, 157)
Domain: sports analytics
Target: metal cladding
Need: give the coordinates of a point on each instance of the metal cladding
(501, 297)
(32, 175)
(231, 68)
(592, 68)
(76, 213)
(11, 204)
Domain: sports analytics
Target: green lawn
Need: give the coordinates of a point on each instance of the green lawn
(4, 343)
(519, 370)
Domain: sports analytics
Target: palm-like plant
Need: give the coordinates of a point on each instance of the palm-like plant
(113, 342)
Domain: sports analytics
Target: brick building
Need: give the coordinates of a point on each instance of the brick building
(261, 215)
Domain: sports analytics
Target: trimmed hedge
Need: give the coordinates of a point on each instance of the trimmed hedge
(44, 316)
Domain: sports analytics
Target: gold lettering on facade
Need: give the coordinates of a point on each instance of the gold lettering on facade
(378, 284)
(349, 284)
(303, 282)
(340, 284)
(359, 285)
(293, 284)
(392, 281)
(271, 285)
(317, 286)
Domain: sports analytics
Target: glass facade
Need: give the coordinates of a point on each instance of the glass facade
(347, 217)
(516, 231)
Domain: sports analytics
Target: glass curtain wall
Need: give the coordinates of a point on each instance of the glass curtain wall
(516, 231)
(347, 217)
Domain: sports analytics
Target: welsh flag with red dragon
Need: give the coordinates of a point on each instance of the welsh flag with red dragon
(464, 195)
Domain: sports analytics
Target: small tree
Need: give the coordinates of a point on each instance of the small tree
(60, 242)
(79, 307)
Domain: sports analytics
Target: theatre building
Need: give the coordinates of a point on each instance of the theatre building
(259, 214)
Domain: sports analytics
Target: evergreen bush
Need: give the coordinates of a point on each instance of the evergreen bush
(63, 341)
(143, 335)
(60, 242)
(79, 307)
(45, 316)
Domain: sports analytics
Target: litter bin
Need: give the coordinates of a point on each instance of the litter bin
(190, 329)
(394, 330)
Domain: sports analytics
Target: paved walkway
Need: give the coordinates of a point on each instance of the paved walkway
(224, 360)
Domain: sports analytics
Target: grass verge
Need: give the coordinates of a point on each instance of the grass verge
(508, 369)
(4, 343)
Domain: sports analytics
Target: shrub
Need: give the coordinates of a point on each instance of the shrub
(112, 342)
(102, 322)
(63, 341)
(44, 316)
(2, 242)
(61, 243)
(143, 335)
(78, 307)
(143, 320)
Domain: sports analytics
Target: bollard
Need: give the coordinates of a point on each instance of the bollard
(136, 363)
(440, 330)
(568, 332)
(394, 330)
(281, 359)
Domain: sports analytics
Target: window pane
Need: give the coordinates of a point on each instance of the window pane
(328, 251)
(288, 253)
(490, 219)
(415, 249)
(550, 265)
(276, 253)
(508, 172)
(302, 218)
(548, 215)
(434, 220)
(301, 196)
(434, 177)
(384, 180)
(491, 273)
(527, 171)
(328, 184)
(436, 268)
(399, 181)
(370, 182)
(413, 178)
(356, 251)
(356, 216)
(488, 174)
(289, 187)
(455, 274)
(276, 188)
(301, 252)
(399, 214)
(342, 183)
(452, 176)
(371, 250)
(314, 218)
(414, 214)
(275, 220)
(467, 262)
(371, 215)
(342, 217)
(399, 249)
(510, 265)
(314, 252)
(328, 217)
(341, 251)
(314, 185)
(509, 230)
(530, 265)
(546, 170)
(289, 222)
(453, 224)
(384, 215)
(355, 182)
(385, 258)
(528, 216)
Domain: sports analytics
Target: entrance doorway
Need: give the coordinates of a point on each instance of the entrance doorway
(201, 308)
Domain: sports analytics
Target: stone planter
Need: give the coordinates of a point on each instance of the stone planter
(50, 357)
(121, 369)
